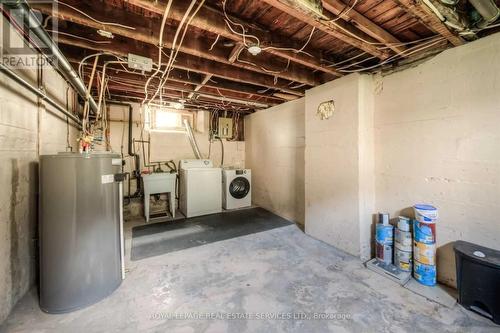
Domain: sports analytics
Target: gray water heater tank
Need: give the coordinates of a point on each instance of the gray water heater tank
(79, 229)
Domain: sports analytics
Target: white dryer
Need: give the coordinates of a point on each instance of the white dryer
(236, 188)
(199, 191)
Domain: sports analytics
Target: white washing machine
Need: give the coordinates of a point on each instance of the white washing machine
(236, 188)
(199, 192)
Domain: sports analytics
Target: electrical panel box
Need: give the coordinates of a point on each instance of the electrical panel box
(225, 128)
(141, 63)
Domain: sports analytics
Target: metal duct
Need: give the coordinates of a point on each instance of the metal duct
(487, 8)
(50, 49)
(192, 140)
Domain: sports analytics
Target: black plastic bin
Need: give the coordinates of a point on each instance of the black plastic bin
(478, 279)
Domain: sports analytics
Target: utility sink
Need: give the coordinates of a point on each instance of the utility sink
(156, 183)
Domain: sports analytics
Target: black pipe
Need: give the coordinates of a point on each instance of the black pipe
(137, 160)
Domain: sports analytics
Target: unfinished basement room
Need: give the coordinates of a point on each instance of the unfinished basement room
(250, 166)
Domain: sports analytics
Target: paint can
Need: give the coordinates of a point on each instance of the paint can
(383, 218)
(403, 259)
(425, 274)
(384, 234)
(404, 223)
(384, 253)
(424, 232)
(425, 213)
(403, 239)
(424, 253)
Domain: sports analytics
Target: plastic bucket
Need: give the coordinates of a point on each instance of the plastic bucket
(424, 253)
(384, 234)
(425, 274)
(404, 223)
(384, 253)
(403, 238)
(425, 213)
(424, 232)
(403, 260)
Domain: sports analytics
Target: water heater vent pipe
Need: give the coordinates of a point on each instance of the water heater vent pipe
(192, 140)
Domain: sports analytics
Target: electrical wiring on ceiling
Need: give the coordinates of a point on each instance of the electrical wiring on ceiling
(373, 57)
(82, 62)
(244, 35)
(79, 37)
(261, 67)
(173, 56)
(407, 52)
(215, 42)
(160, 50)
(93, 19)
(344, 11)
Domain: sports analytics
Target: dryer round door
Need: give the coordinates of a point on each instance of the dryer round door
(239, 187)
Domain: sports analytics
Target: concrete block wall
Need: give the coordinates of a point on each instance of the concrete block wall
(437, 139)
(338, 165)
(26, 131)
(275, 153)
(429, 133)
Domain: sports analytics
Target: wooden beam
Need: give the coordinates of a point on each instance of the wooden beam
(235, 52)
(199, 86)
(175, 95)
(147, 31)
(128, 80)
(177, 75)
(364, 24)
(330, 25)
(186, 62)
(426, 16)
(212, 20)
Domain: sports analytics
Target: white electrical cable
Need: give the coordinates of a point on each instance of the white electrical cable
(407, 52)
(160, 49)
(392, 44)
(215, 42)
(243, 34)
(344, 11)
(166, 74)
(171, 58)
(79, 37)
(93, 19)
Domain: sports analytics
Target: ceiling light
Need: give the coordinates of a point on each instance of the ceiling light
(106, 34)
(254, 50)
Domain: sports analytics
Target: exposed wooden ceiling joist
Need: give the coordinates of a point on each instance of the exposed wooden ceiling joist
(186, 62)
(419, 10)
(199, 86)
(148, 32)
(331, 25)
(181, 76)
(133, 83)
(338, 7)
(212, 20)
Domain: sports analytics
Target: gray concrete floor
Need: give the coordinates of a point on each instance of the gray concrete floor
(280, 272)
